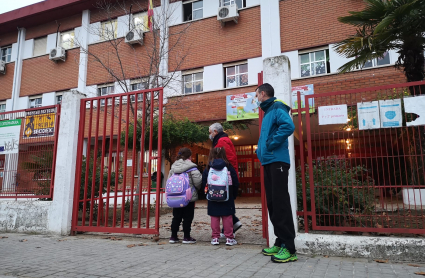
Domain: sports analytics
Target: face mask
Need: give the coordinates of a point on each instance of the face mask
(211, 137)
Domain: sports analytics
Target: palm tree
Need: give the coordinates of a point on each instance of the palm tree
(387, 25)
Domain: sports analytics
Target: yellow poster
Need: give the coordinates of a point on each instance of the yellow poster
(40, 123)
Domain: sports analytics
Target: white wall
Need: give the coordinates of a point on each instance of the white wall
(176, 13)
(294, 63)
(335, 59)
(250, 3)
(270, 28)
(122, 25)
(393, 56)
(213, 77)
(23, 103)
(255, 66)
(14, 52)
(174, 87)
(28, 49)
(94, 31)
(51, 42)
(49, 99)
(210, 7)
(91, 91)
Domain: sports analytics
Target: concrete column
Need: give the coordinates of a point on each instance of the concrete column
(60, 214)
(277, 72)
(84, 42)
(270, 28)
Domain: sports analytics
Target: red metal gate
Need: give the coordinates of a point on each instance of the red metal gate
(362, 180)
(119, 148)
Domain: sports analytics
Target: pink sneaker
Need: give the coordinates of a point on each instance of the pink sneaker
(214, 241)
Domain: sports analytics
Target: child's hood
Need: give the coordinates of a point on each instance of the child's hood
(218, 164)
(182, 165)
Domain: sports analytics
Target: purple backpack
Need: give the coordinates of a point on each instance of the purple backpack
(178, 192)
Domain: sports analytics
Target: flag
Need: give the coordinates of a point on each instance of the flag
(150, 15)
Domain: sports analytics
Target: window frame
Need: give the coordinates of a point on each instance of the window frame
(114, 24)
(192, 10)
(193, 73)
(61, 42)
(35, 98)
(138, 81)
(143, 16)
(58, 94)
(3, 116)
(313, 62)
(375, 62)
(8, 48)
(105, 86)
(44, 38)
(236, 75)
(243, 2)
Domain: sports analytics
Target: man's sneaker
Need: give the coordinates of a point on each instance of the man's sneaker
(174, 239)
(237, 226)
(284, 256)
(271, 251)
(231, 241)
(215, 241)
(223, 236)
(189, 240)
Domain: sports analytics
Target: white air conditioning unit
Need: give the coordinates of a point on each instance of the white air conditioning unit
(2, 67)
(57, 53)
(228, 13)
(134, 36)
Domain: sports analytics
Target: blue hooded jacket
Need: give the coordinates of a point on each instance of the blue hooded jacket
(276, 127)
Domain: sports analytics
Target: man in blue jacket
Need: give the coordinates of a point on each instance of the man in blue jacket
(273, 153)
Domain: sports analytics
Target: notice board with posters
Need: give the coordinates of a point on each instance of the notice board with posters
(241, 107)
(304, 90)
(9, 136)
(39, 123)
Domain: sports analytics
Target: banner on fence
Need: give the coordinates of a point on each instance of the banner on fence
(9, 136)
(241, 107)
(415, 105)
(390, 111)
(40, 123)
(334, 114)
(304, 90)
(368, 115)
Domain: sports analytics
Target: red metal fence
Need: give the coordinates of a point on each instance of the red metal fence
(113, 187)
(363, 180)
(28, 142)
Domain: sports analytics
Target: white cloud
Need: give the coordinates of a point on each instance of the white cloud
(7, 6)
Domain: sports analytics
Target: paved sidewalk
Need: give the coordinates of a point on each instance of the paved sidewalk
(95, 256)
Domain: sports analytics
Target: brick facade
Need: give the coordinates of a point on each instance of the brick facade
(66, 24)
(134, 59)
(41, 75)
(204, 107)
(311, 23)
(6, 82)
(205, 42)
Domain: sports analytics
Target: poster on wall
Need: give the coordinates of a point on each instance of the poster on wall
(415, 105)
(9, 136)
(334, 114)
(304, 90)
(39, 123)
(390, 111)
(241, 107)
(368, 115)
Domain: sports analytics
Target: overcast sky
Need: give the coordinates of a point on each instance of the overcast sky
(9, 5)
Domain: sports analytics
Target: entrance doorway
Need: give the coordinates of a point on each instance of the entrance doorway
(249, 171)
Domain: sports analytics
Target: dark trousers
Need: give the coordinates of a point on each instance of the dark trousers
(186, 214)
(279, 203)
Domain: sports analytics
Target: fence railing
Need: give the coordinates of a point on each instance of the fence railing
(368, 173)
(28, 142)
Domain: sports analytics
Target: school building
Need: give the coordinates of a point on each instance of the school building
(214, 51)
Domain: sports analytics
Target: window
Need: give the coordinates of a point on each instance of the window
(109, 29)
(36, 101)
(193, 10)
(67, 39)
(137, 85)
(114, 161)
(6, 53)
(104, 91)
(2, 109)
(154, 162)
(241, 3)
(140, 21)
(237, 76)
(40, 46)
(384, 60)
(193, 83)
(314, 63)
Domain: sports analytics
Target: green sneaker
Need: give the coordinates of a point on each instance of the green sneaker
(271, 251)
(284, 256)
